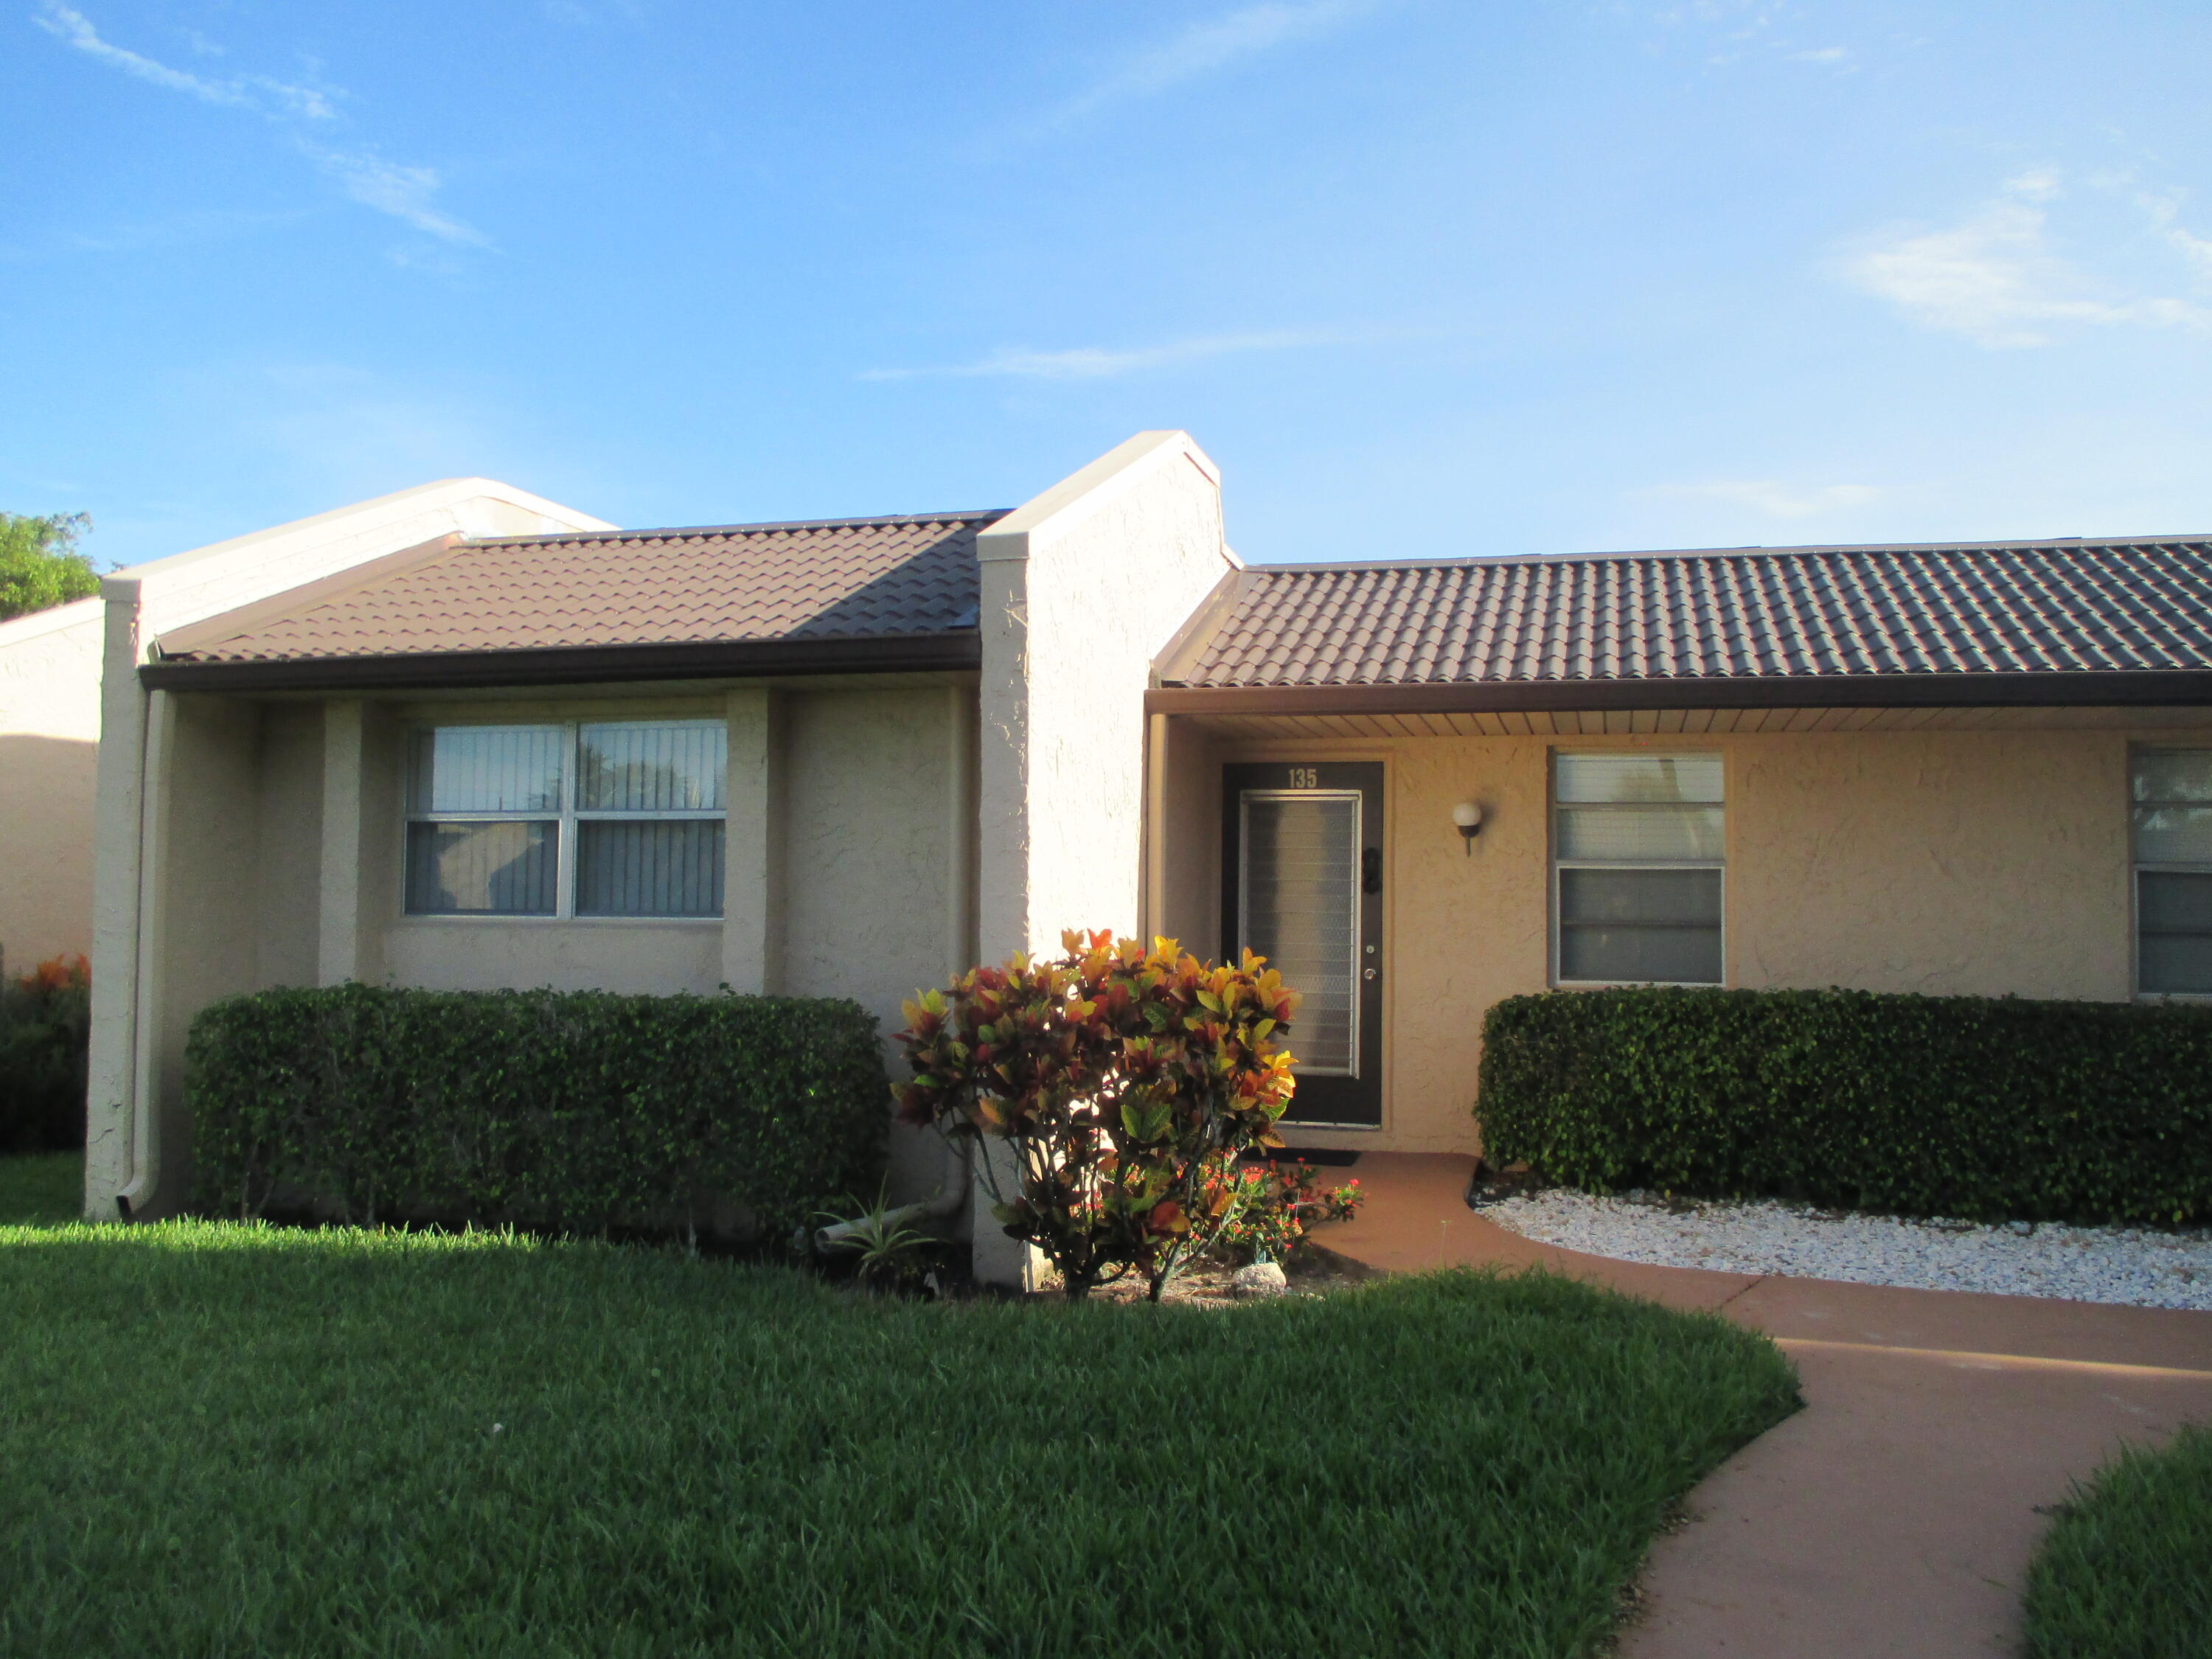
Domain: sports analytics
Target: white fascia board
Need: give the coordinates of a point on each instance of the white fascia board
(1044, 519)
(205, 581)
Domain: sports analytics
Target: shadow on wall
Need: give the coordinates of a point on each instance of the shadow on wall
(45, 846)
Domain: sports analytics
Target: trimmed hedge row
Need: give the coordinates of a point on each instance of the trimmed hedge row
(574, 1110)
(1980, 1108)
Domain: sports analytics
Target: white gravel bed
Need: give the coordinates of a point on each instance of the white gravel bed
(2137, 1266)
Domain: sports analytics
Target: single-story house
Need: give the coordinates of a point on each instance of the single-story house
(852, 757)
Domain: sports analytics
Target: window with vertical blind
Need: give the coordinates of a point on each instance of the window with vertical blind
(1638, 843)
(2172, 827)
(605, 818)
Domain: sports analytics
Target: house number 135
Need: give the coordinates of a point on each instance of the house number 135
(1305, 777)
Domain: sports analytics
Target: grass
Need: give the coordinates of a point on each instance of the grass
(42, 1189)
(2126, 1571)
(230, 1439)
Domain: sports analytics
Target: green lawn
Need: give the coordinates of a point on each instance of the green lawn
(42, 1189)
(2126, 1572)
(236, 1440)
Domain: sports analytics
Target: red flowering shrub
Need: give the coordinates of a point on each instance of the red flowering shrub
(1126, 1080)
(62, 973)
(45, 1024)
(1277, 1205)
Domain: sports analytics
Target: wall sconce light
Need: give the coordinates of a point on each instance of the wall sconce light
(1467, 816)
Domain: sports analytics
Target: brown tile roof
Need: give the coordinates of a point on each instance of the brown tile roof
(2010, 608)
(850, 580)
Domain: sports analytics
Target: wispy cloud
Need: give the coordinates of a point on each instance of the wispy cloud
(2164, 213)
(404, 192)
(1200, 48)
(253, 92)
(1102, 362)
(299, 111)
(1996, 279)
(1743, 33)
(1776, 499)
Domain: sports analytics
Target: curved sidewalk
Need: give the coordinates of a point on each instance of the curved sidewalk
(1897, 1513)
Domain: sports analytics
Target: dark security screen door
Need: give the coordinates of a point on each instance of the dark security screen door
(1303, 856)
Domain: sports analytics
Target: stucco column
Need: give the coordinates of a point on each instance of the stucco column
(118, 837)
(1151, 892)
(752, 848)
(1003, 920)
(1002, 900)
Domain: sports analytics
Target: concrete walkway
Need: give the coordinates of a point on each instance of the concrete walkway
(1897, 1513)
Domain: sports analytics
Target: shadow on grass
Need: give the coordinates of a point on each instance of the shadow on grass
(41, 1190)
(226, 1438)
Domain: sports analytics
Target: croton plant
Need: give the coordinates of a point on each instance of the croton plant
(1127, 1082)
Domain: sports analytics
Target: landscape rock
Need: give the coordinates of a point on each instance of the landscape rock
(1260, 1278)
(2140, 1267)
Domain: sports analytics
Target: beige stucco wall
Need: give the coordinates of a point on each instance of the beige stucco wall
(287, 840)
(208, 944)
(49, 749)
(1960, 862)
(1082, 589)
(276, 838)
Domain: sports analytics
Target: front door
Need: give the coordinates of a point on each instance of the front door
(1302, 884)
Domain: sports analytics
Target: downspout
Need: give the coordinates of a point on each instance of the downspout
(145, 1169)
(940, 1207)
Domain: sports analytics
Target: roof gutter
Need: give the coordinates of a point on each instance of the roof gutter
(2136, 688)
(953, 649)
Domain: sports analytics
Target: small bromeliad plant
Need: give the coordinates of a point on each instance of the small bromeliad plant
(884, 1253)
(1126, 1081)
(1277, 1204)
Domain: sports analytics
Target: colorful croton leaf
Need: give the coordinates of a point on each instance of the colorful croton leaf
(1128, 1080)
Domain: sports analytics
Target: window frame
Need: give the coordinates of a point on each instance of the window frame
(2137, 866)
(565, 819)
(1553, 885)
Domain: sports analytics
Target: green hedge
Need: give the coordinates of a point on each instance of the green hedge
(574, 1110)
(1975, 1107)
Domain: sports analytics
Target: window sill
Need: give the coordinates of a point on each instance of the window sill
(1638, 985)
(487, 920)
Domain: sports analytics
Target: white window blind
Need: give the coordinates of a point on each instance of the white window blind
(611, 818)
(1637, 855)
(1300, 898)
(2172, 823)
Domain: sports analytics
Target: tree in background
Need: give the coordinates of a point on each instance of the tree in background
(40, 565)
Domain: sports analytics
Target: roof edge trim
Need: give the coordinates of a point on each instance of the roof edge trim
(954, 649)
(685, 531)
(2162, 687)
(1489, 561)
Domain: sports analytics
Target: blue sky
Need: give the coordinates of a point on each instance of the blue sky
(1426, 277)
